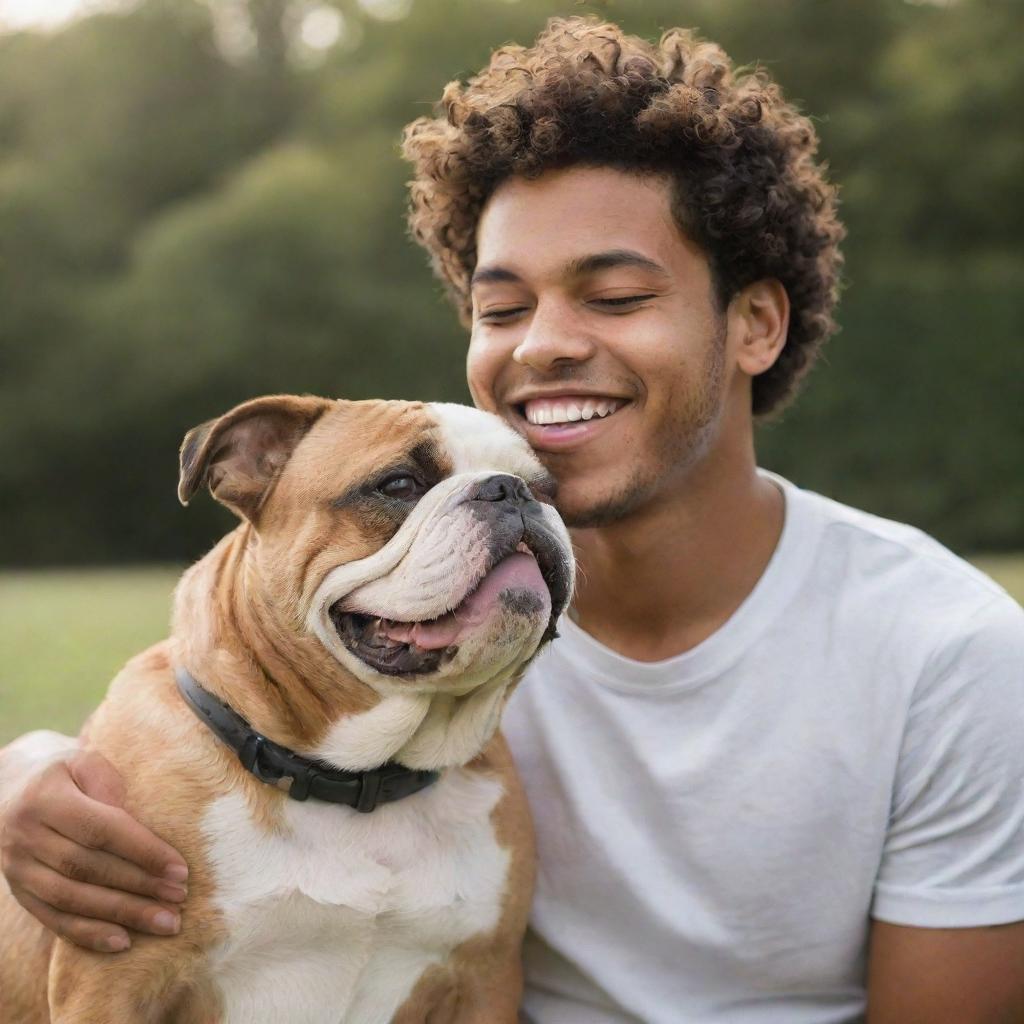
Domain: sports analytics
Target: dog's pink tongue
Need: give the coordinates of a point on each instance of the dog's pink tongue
(517, 572)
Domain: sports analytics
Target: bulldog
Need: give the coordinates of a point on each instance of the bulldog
(318, 737)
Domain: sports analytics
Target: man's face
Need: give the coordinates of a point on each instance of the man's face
(597, 336)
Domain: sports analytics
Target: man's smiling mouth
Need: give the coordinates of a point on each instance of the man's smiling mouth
(568, 409)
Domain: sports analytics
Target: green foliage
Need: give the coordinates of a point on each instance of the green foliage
(183, 227)
(914, 410)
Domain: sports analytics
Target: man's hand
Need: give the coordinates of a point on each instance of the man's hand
(75, 859)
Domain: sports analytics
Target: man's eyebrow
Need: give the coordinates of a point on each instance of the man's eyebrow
(576, 268)
(493, 275)
(610, 259)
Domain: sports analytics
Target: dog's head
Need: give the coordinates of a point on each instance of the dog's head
(415, 541)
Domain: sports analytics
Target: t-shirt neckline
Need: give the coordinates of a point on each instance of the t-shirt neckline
(779, 583)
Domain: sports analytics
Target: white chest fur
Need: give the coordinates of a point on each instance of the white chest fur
(335, 915)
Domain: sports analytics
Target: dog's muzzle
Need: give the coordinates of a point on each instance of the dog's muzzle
(526, 567)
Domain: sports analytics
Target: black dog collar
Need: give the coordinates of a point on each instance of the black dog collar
(271, 763)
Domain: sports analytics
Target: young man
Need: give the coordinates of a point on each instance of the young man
(775, 759)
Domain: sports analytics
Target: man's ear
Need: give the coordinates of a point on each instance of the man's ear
(762, 312)
(240, 455)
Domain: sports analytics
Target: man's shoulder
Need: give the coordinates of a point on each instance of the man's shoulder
(899, 576)
(896, 555)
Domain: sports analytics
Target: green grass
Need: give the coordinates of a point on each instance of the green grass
(63, 636)
(1007, 570)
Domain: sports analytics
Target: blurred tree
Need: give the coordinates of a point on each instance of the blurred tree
(918, 406)
(202, 201)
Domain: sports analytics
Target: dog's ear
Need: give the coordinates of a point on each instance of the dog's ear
(240, 454)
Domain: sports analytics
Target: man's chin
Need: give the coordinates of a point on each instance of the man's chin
(588, 512)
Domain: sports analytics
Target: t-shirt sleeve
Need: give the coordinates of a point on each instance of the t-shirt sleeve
(954, 850)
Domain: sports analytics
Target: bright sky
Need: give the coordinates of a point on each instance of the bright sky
(42, 13)
(48, 13)
(320, 27)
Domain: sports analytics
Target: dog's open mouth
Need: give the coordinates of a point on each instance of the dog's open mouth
(516, 582)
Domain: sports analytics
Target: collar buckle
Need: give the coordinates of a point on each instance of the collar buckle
(249, 756)
(300, 779)
(369, 791)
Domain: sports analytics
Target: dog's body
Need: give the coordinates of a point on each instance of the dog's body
(325, 620)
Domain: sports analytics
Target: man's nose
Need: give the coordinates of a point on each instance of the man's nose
(553, 337)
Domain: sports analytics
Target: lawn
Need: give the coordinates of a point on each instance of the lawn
(64, 634)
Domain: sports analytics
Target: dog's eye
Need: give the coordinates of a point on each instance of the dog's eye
(401, 487)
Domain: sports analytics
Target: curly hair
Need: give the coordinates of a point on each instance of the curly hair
(746, 186)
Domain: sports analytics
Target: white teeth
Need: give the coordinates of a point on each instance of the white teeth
(539, 412)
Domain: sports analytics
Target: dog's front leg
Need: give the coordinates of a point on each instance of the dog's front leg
(152, 983)
(489, 994)
(493, 998)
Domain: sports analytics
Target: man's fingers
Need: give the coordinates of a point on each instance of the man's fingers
(95, 776)
(56, 801)
(101, 827)
(79, 899)
(69, 856)
(80, 864)
(82, 931)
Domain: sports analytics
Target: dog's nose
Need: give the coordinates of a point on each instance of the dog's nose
(503, 487)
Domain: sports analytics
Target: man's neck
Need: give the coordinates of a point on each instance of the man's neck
(658, 583)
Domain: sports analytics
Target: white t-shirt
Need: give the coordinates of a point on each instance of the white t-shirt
(715, 830)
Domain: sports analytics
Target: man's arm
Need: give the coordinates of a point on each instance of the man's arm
(946, 975)
(73, 857)
(947, 932)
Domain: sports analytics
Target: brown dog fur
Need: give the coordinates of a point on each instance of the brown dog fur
(238, 627)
